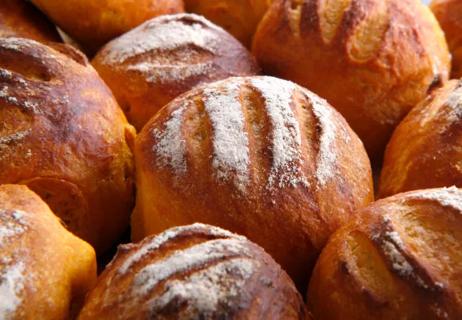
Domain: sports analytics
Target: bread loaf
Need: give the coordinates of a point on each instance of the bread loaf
(401, 259)
(164, 57)
(424, 151)
(259, 156)
(449, 15)
(45, 271)
(63, 134)
(19, 18)
(193, 272)
(373, 60)
(238, 17)
(93, 23)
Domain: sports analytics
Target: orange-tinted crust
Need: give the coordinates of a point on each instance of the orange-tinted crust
(238, 17)
(424, 151)
(146, 80)
(449, 15)
(373, 60)
(19, 18)
(45, 271)
(194, 272)
(401, 259)
(93, 23)
(289, 210)
(63, 134)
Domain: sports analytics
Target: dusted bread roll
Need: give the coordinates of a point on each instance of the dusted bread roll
(373, 60)
(238, 17)
(19, 18)
(402, 259)
(63, 134)
(45, 271)
(193, 272)
(151, 65)
(449, 15)
(259, 156)
(93, 23)
(424, 150)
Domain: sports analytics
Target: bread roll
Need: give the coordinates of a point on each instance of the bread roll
(449, 15)
(45, 270)
(373, 60)
(19, 18)
(151, 65)
(401, 259)
(238, 17)
(259, 156)
(193, 272)
(424, 151)
(93, 23)
(63, 134)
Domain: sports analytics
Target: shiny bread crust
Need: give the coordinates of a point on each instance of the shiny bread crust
(166, 56)
(93, 23)
(424, 151)
(238, 17)
(373, 60)
(18, 18)
(193, 272)
(45, 271)
(260, 156)
(401, 259)
(64, 136)
(449, 15)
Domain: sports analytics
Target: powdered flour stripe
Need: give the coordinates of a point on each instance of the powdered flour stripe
(171, 146)
(286, 145)
(230, 142)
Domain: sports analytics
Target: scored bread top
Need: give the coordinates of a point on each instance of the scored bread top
(234, 131)
(427, 140)
(193, 272)
(256, 155)
(164, 57)
(401, 258)
(64, 135)
(373, 60)
(174, 48)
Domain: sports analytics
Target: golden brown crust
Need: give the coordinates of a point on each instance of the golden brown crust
(259, 156)
(93, 23)
(373, 60)
(449, 15)
(424, 151)
(238, 17)
(45, 271)
(401, 259)
(64, 135)
(194, 272)
(18, 18)
(164, 57)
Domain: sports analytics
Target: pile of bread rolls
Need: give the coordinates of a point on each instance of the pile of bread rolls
(248, 159)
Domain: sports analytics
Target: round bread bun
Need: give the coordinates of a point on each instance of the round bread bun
(238, 17)
(19, 18)
(193, 272)
(373, 60)
(449, 15)
(401, 259)
(45, 271)
(258, 156)
(93, 23)
(154, 63)
(63, 134)
(424, 151)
